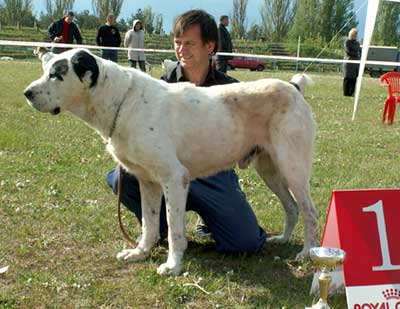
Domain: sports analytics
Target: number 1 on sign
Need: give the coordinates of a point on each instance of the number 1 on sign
(377, 208)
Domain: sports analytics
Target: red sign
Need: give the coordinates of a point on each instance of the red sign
(366, 224)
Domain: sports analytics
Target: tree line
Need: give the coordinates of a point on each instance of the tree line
(314, 21)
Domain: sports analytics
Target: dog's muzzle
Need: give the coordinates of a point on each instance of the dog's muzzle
(30, 95)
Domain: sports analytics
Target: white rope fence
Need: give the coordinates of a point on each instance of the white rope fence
(246, 55)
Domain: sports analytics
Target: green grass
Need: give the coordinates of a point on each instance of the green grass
(59, 230)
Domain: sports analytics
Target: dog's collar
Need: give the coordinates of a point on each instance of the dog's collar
(114, 123)
(295, 85)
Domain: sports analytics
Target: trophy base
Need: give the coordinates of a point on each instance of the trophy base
(319, 305)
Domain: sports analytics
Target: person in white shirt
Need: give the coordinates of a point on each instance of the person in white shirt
(134, 38)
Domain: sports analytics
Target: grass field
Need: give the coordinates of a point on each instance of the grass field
(59, 231)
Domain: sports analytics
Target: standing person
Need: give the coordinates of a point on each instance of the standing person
(224, 43)
(350, 70)
(64, 31)
(134, 38)
(218, 199)
(108, 35)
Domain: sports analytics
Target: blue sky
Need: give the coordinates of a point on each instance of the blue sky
(170, 8)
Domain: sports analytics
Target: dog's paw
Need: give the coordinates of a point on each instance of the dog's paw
(305, 253)
(133, 255)
(279, 239)
(169, 270)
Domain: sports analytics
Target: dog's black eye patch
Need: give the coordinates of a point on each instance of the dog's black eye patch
(59, 69)
(82, 62)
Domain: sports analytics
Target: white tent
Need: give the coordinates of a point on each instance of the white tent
(369, 28)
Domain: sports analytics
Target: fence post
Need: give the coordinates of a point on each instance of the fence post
(298, 54)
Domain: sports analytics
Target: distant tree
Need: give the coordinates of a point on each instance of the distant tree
(2, 13)
(102, 8)
(57, 8)
(18, 12)
(307, 20)
(255, 32)
(146, 16)
(44, 20)
(337, 18)
(158, 24)
(277, 16)
(85, 20)
(122, 25)
(387, 24)
(238, 19)
(148, 19)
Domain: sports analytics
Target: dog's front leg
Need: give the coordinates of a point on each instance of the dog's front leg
(151, 205)
(175, 193)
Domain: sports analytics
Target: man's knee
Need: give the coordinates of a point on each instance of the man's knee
(112, 179)
(246, 243)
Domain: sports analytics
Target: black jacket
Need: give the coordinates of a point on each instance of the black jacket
(224, 42)
(56, 28)
(108, 36)
(214, 77)
(353, 52)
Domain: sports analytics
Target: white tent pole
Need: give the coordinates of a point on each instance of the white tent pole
(369, 29)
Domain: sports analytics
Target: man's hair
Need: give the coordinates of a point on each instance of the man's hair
(109, 16)
(208, 27)
(69, 13)
(223, 17)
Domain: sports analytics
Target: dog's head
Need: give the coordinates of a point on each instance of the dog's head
(65, 82)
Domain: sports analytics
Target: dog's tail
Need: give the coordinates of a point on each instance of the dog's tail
(300, 81)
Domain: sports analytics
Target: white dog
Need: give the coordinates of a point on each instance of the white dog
(168, 134)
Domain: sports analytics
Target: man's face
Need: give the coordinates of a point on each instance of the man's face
(190, 50)
(111, 20)
(68, 19)
(225, 22)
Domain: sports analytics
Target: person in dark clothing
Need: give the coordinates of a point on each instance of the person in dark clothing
(218, 199)
(64, 31)
(224, 44)
(350, 70)
(108, 35)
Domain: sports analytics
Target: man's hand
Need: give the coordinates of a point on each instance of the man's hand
(58, 39)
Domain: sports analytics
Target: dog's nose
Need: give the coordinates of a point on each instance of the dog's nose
(28, 94)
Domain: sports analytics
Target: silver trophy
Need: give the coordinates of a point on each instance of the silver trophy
(325, 259)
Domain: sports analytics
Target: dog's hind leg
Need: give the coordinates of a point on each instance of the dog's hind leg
(273, 179)
(294, 165)
(175, 186)
(151, 204)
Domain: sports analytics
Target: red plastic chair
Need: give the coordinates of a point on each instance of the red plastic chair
(391, 80)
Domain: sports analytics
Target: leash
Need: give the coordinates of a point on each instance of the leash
(121, 226)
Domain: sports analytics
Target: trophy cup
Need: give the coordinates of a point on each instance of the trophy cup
(325, 259)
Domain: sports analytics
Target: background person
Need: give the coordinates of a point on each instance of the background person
(108, 35)
(134, 38)
(350, 70)
(218, 199)
(64, 31)
(224, 43)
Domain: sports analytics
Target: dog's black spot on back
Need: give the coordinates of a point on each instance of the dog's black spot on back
(59, 69)
(82, 62)
(151, 129)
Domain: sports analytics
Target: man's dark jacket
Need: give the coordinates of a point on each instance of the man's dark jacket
(224, 42)
(214, 77)
(56, 29)
(353, 52)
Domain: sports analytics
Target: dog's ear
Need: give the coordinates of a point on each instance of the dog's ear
(83, 63)
(43, 54)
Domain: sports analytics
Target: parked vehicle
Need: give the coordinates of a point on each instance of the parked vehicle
(382, 53)
(246, 63)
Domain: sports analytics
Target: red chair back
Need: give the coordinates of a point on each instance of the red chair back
(392, 80)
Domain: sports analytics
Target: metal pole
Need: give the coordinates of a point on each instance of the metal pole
(298, 54)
